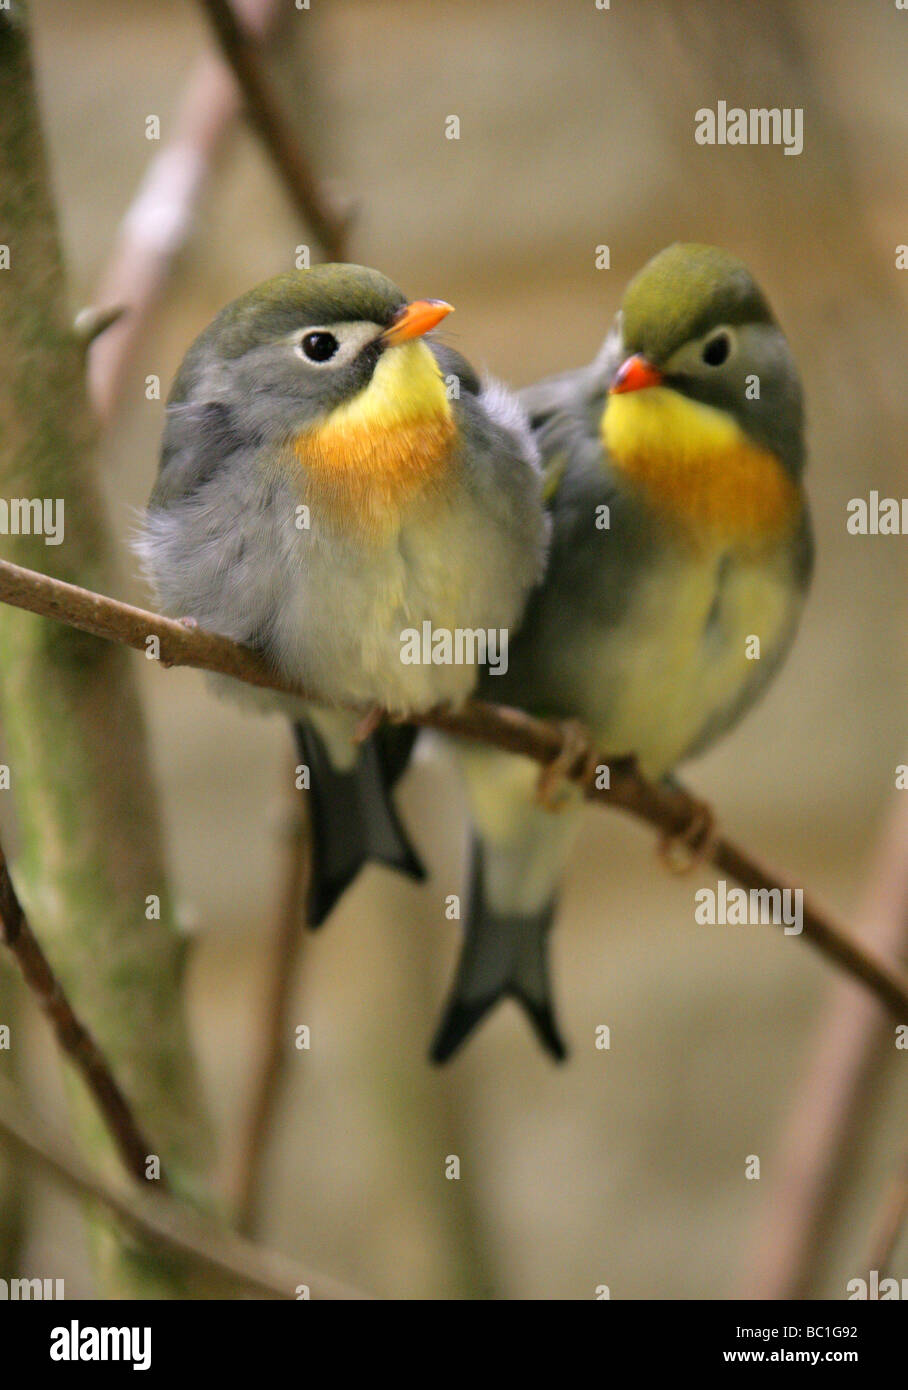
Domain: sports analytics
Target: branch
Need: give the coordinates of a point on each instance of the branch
(90, 323)
(829, 1108)
(666, 808)
(159, 219)
(271, 1061)
(74, 735)
(14, 1204)
(72, 1035)
(160, 1219)
(275, 131)
(890, 1220)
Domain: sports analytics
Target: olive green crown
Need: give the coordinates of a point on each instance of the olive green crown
(325, 294)
(683, 292)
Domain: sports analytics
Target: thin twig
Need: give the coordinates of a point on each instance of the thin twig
(275, 131)
(159, 219)
(828, 1110)
(667, 808)
(890, 1221)
(72, 1035)
(161, 1219)
(93, 320)
(276, 1032)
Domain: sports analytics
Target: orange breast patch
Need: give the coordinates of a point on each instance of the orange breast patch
(359, 479)
(697, 466)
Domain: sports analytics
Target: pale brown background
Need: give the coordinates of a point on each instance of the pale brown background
(624, 1167)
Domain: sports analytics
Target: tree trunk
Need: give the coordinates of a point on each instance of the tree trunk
(87, 816)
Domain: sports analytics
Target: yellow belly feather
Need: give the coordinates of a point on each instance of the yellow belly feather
(672, 680)
(728, 498)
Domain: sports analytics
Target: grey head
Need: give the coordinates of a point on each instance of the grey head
(293, 349)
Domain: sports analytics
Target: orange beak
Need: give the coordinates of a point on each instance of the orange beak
(415, 319)
(633, 375)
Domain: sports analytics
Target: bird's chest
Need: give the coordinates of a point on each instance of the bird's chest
(347, 606)
(359, 482)
(693, 637)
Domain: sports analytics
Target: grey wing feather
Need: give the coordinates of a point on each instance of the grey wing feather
(199, 438)
(208, 524)
(580, 392)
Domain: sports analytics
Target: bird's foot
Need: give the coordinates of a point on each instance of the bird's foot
(190, 623)
(577, 760)
(683, 850)
(369, 723)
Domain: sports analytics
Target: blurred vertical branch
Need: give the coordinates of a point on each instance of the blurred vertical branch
(73, 729)
(277, 135)
(276, 1029)
(72, 1036)
(160, 217)
(12, 1184)
(831, 1106)
(889, 1226)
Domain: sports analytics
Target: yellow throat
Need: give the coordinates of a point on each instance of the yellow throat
(697, 466)
(392, 441)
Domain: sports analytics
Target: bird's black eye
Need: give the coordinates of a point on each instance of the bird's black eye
(319, 346)
(716, 351)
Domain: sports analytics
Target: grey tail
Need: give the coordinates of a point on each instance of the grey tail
(503, 955)
(352, 814)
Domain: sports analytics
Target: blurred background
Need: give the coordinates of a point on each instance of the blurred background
(624, 1167)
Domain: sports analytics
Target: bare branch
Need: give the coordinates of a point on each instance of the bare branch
(270, 1064)
(890, 1221)
(667, 808)
(93, 320)
(72, 1035)
(161, 1219)
(276, 133)
(829, 1108)
(159, 219)
(120, 622)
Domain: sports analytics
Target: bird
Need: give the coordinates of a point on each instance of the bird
(329, 481)
(680, 533)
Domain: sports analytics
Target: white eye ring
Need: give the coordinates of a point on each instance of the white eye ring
(350, 338)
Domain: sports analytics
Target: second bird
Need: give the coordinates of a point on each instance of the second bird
(680, 535)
